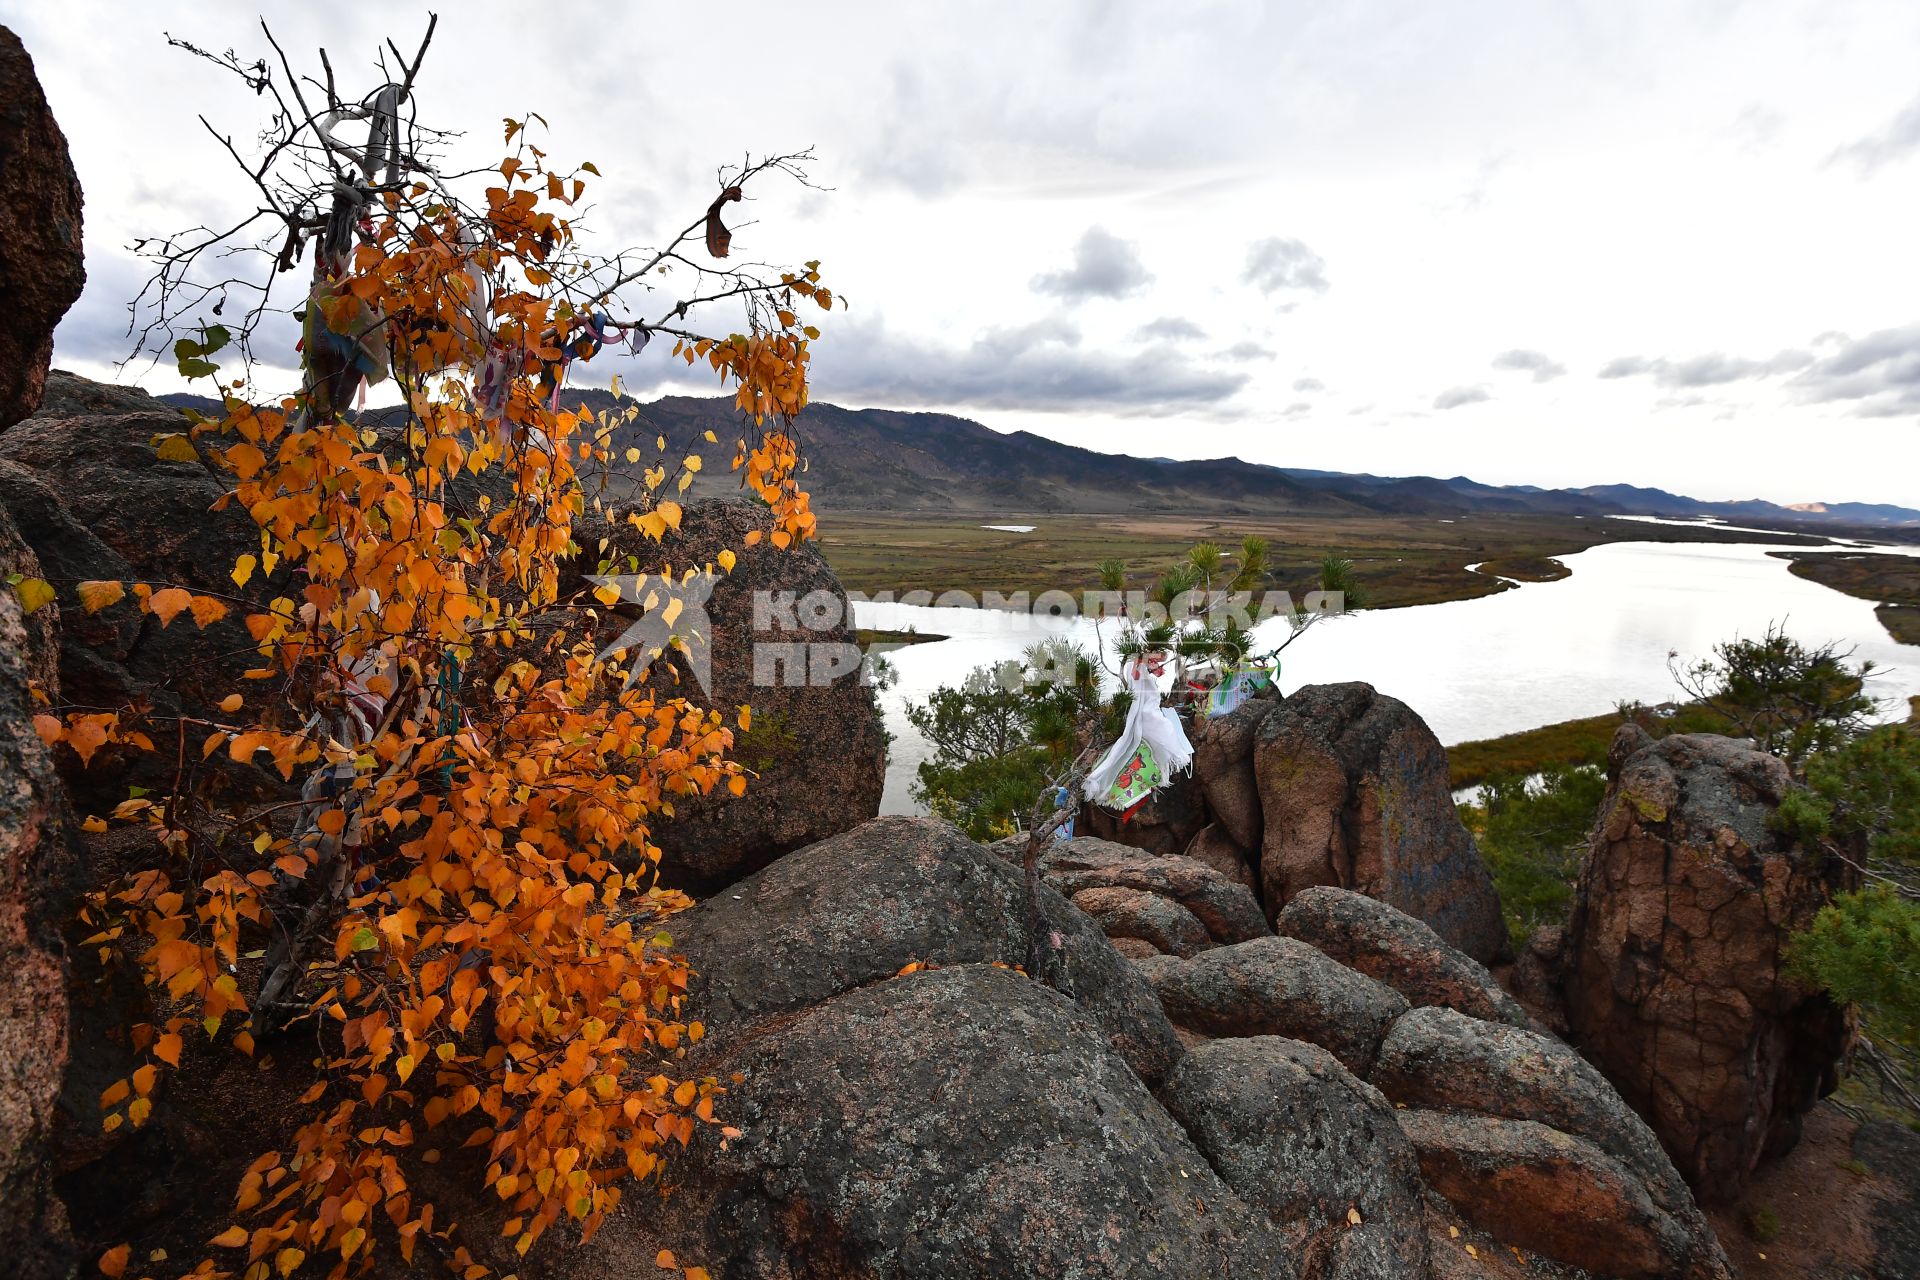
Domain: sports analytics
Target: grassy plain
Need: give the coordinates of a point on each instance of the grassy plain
(1399, 560)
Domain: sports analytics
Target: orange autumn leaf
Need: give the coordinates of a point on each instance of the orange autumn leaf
(167, 603)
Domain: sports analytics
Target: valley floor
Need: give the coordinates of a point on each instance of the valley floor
(1399, 560)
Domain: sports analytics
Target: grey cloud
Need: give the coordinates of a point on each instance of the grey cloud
(1309, 384)
(1626, 367)
(1171, 329)
(1278, 264)
(1897, 138)
(1247, 351)
(1878, 373)
(1039, 367)
(1521, 360)
(1710, 370)
(1104, 266)
(1454, 397)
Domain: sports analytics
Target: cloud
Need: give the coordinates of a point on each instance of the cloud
(1520, 359)
(1247, 351)
(1884, 146)
(1710, 370)
(1309, 384)
(1104, 266)
(1878, 373)
(1277, 265)
(1171, 329)
(1454, 397)
(1626, 367)
(1039, 367)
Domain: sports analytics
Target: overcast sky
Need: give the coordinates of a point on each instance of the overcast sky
(1540, 242)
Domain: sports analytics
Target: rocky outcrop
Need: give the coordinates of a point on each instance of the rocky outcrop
(1223, 762)
(95, 500)
(816, 743)
(1147, 904)
(962, 1121)
(37, 869)
(864, 905)
(1286, 1126)
(1214, 848)
(42, 258)
(1353, 793)
(1279, 987)
(1392, 947)
(1551, 1193)
(1674, 982)
(1515, 1130)
(1437, 1059)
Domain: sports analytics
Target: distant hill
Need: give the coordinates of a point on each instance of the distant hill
(893, 460)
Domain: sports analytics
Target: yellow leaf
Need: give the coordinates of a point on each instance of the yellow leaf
(1353, 1217)
(207, 611)
(114, 1261)
(94, 824)
(243, 570)
(287, 1260)
(711, 438)
(95, 596)
(168, 1049)
(230, 703)
(726, 559)
(34, 594)
(697, 1273)
(175, 447)
(737, 785)
(664, 1260)
(670, 512)
(693, 460)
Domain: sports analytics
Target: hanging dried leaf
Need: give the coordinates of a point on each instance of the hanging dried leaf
(718, 237)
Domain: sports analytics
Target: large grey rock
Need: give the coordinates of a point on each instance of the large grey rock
(1675, 976)
(1392, 947)
(1550, 1193)
(1354, 793)
(1172, 903)
(1280, 987)
(862, 906)
(1287, 1126)
(954, 1123)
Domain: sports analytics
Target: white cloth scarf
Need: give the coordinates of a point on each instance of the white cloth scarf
(1147, 721)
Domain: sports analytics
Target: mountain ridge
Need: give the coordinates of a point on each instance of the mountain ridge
(916, 460)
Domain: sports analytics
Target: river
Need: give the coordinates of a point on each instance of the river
(1539, 654)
